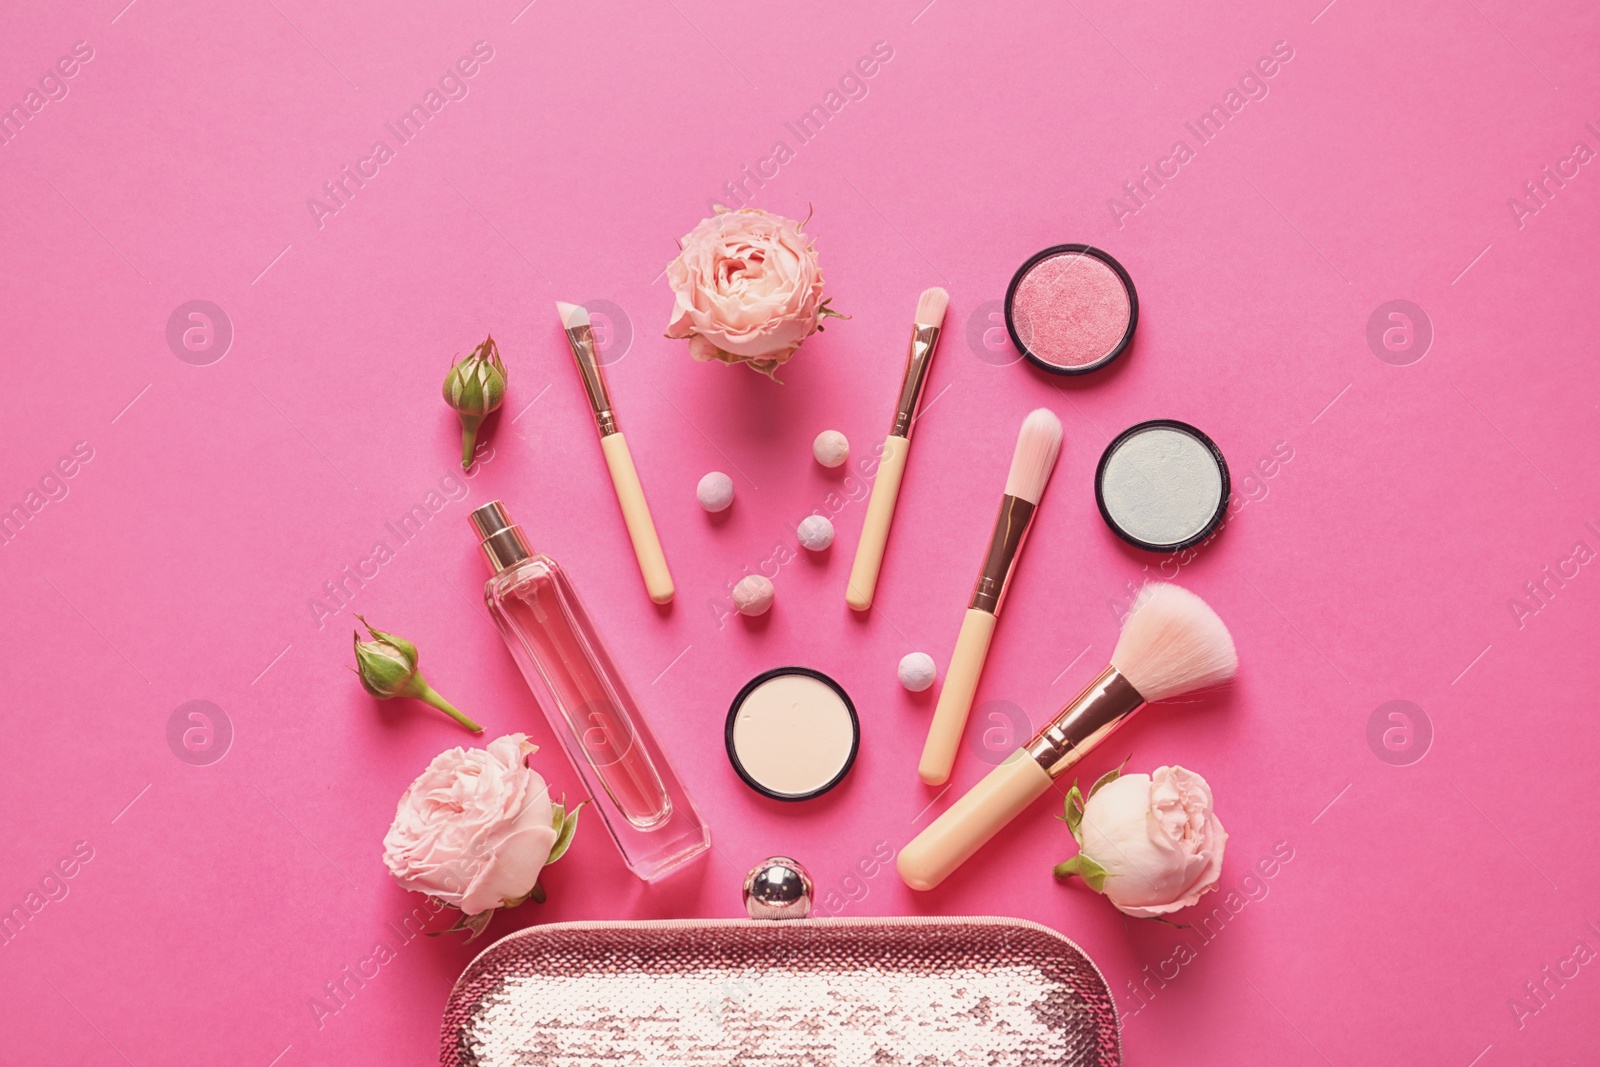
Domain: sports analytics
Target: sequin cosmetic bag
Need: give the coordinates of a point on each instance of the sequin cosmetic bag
(794, 993)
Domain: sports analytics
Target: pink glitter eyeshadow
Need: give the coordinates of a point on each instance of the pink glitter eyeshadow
(1071, 309)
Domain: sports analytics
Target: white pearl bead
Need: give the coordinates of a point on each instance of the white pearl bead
(917, 671)
(715, 492)
(753, 595)
(815, 532)
(831, 448)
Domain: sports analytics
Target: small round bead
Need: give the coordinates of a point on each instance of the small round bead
(715, 491)
(815, 532)
(917, 671)
(831, 448)
(753, 595)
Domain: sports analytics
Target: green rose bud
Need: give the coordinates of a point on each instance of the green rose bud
(387, 667)
(475, 387)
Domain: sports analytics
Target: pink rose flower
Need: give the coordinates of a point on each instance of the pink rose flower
(475, 829)
(1150, 842)
(747, 289)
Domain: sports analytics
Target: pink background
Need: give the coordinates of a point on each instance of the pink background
(1379, 563)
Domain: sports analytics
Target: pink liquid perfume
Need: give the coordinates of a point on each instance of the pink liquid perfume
(631, 784)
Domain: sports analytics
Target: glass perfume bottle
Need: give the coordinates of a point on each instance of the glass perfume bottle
(633, 788)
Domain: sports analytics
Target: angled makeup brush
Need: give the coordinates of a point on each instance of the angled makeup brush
(1038, 445)
(892, 467)
(624, 478)
(1172, 643)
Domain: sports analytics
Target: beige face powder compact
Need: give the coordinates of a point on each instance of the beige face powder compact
(1162, 485)
(792, 733)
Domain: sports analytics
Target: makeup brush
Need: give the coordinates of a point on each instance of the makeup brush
(1038, 445)
(1172, 643)
(624, 478)
(892, 467)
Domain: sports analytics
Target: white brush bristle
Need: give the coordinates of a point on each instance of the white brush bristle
(572, 315)
(931, 305)
(1173, 643)
(1038, 445)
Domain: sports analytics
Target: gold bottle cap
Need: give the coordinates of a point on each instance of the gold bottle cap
(502, 540)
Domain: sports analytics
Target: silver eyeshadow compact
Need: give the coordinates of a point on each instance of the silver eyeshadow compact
(792, 733)
(1071, 309)
(1162, 485)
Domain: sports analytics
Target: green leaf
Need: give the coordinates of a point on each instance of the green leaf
(566, 827)
(1074, 806)
(1094, 876)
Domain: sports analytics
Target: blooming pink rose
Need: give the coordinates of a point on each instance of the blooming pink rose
(1156, 838)
(747, 289)
(475, 829)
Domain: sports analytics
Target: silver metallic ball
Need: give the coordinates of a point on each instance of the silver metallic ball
(777, 888)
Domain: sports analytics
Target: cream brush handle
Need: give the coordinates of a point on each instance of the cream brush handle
(955, 699)
(968, 824)
(875, 531)
(636, 514)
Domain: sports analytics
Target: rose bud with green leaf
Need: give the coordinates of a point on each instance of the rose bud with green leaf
(1149, 842)
(387, 667)
(475, 387)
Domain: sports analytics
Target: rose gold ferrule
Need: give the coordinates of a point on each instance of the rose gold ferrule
(923, 341)
(581, 340)
(1010, 530)
(1084, 723)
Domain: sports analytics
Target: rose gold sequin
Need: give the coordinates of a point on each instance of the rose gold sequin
(817, 993)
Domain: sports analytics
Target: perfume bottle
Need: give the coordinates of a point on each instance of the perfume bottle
(632, 786)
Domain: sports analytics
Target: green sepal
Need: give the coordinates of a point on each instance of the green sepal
(475, 925)
(1107, 778)
(477, 384)
(1094, 876)
(379, 675)
(769, 367)
(406, 648)
(1074, 806)
(384, 676)
(566, 826)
